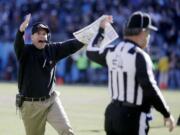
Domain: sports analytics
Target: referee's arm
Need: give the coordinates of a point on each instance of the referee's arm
(93, 50)
(151, 91)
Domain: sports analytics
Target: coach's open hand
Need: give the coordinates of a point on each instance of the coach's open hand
(106, 20)
(170, 122)
(24, 24)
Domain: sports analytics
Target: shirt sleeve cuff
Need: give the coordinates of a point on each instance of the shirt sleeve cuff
(101, 30)
(167, 114)
(20, 33)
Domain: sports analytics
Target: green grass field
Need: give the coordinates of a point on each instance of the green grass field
(85, 107)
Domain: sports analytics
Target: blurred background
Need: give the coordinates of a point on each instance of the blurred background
(67, 16)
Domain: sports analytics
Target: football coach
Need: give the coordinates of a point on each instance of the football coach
(38, 101)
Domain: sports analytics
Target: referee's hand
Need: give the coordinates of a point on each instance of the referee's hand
(106, 20)
(170, 123)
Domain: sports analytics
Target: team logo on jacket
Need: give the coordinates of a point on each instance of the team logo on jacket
(50, 62)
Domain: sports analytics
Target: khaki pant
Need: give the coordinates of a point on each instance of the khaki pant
(35, 114)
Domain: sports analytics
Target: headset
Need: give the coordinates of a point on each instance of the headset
(48, 37)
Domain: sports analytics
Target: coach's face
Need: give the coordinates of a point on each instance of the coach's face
(39, 38)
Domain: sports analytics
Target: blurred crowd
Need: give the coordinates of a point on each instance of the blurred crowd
(66, 16)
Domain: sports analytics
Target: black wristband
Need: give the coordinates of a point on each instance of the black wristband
(101, 30)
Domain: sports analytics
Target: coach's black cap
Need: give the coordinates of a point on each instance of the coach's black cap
(38, 26)
(137, 22)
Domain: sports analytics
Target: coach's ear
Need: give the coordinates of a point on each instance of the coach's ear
(32, 38)
(25, 24)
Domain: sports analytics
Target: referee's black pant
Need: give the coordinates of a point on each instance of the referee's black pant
(125, 120)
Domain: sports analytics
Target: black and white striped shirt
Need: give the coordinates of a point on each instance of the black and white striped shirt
(131, 76)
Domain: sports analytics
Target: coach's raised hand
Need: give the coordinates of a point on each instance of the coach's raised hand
(24, 24)
(106, 20)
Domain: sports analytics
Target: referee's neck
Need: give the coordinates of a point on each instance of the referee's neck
(136, 39)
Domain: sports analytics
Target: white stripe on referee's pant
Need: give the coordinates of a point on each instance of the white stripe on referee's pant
(142, 124)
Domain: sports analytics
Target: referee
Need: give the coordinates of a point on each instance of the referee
(132, 86)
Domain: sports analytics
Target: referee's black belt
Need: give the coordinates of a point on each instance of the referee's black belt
(124, 104)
